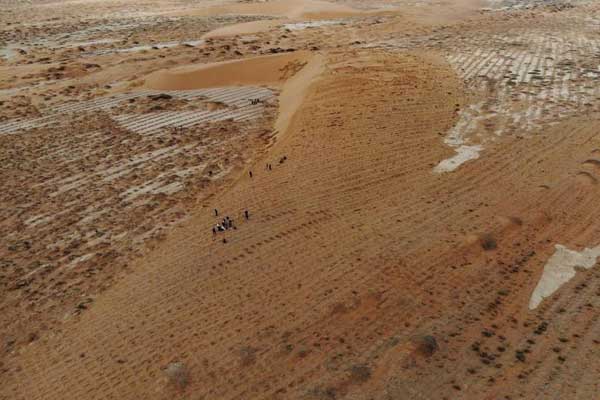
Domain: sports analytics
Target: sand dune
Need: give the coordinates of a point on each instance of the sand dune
(292, 72)
(357, 272)
(245, 28)
(295, 9)
(265, 70)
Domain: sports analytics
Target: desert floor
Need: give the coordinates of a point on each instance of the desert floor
(413, 187)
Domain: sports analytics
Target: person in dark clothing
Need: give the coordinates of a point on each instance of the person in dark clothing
(250, 173)
(216, 212)
(246, 214)
(214, 230)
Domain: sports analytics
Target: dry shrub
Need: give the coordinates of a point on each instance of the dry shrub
(488, 242)
(360, 373)
(247, 356)
(178, 375)
(426, 345)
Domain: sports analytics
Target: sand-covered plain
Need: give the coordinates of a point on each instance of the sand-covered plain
(421, 181)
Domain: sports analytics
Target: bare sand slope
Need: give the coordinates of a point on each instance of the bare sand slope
(305, 9)
(360, 274)
(284, 11)
(281, 268)
(293, 73)
(263, 70)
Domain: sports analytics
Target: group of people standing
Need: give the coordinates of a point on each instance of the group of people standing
(226, 223)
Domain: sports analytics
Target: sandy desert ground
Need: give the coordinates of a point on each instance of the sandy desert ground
(421, 181)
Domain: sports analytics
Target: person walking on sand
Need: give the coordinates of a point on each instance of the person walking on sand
(250, 173)
(216, 212)
(214, 230)
(246, 214)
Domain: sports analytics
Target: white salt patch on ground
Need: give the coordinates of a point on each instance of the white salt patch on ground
(147, 47)
(39, 219)
(80, 260)
(463, 154)
(456, 139)
(559, 269)
(91, 214)
(7, 53)
(89, 43)
(310, 24)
